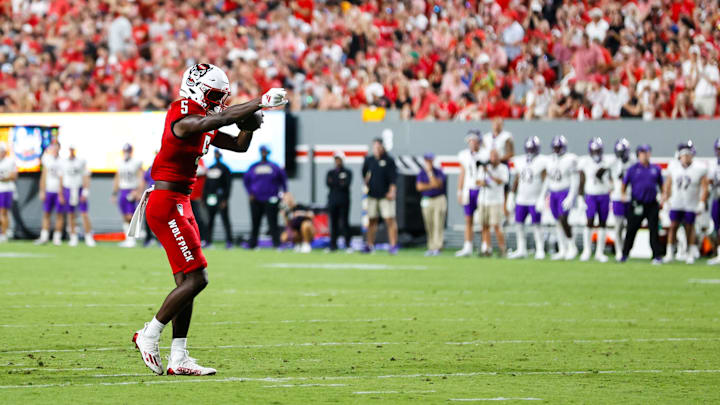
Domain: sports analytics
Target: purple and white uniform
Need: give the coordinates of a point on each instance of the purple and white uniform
(528, 169)
(562, 177)
(53, 170)
(714, 177)
(618, 168)
(469, 161)
(685, 192)
(596, 189)
(7, 187)
(73, 172)
(127, 183)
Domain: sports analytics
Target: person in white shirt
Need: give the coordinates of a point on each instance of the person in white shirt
(538, 99)
(529, 173)
(500, 140)
(128, 186)
(686, 190)
(468, 191)
(597, 27)
(615, 98)
(595, 185)
(8, 175)
(708, 78)
(75, 182)
(563, 181)
(492, 177)
(714, 189)
(50, 194)
(620, 203)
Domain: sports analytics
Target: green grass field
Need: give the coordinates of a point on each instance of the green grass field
(285, 328)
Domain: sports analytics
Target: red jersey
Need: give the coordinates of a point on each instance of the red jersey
(178, 158)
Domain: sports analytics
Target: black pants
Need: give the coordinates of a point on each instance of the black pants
(638, 212)
(270, 210)
(339, 222)
(224, 216)
(198, 208)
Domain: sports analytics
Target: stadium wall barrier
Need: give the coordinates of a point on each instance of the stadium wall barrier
(326, 132)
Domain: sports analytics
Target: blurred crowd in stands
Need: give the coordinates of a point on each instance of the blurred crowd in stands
(431, 60)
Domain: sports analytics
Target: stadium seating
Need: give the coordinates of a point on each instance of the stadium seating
(432, 60)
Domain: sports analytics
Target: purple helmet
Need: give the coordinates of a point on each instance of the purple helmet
(596, 149)
(622, 149)
(559, 144)
(686, 147)
(532, 145)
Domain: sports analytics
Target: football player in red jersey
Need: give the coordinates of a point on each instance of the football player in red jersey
(191, 125)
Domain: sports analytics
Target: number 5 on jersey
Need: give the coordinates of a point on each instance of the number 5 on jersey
(206, 146)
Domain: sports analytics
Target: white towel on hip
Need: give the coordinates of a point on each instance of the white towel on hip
(139, 215)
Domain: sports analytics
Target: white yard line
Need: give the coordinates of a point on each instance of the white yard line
(344, 266)
(393, 392)
(704, 281)
(200, 380)
(494, 399)
(18, 255)
(303, 385)
(324, 344)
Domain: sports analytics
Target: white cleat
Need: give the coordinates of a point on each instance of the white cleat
(585, 256)
(305, 248)
(690, 259)
(57, 241)
(668, 258)
(539, 255)
(517, 254)
(559, 255)
(73, 240)
(89, 241)
(41, 241)
(149, 351)
(714, 261)
(127, 243)
(572, 252)
(186, 365)
(463, 252)
(601, 258)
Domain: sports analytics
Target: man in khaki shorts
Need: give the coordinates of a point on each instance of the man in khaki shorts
(492, 178)
(431, 184)
(380, 173)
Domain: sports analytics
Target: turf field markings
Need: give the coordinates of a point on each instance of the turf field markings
(346, 377)
(303, 385)
(579, 341)
(321, 344)
(704, 281)
(19, 370)
(494, 399)
(393, 392)
(344, 266)
(18, 255)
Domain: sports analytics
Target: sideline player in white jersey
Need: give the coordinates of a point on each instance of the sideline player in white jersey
(686, 189)
(562, 180)
(714, 188)
(8, 175)
(529, 172)
(128, 186)
(500, 140)
(468, 191)
(75, 182)
(50, 194)
(595, 185)
(620, 203)
(492, 178)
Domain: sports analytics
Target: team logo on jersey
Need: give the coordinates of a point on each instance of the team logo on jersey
(196, 72)
(180, 208)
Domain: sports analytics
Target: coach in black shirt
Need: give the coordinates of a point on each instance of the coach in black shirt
(380, 173)
(217, 194)
(338, 181)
